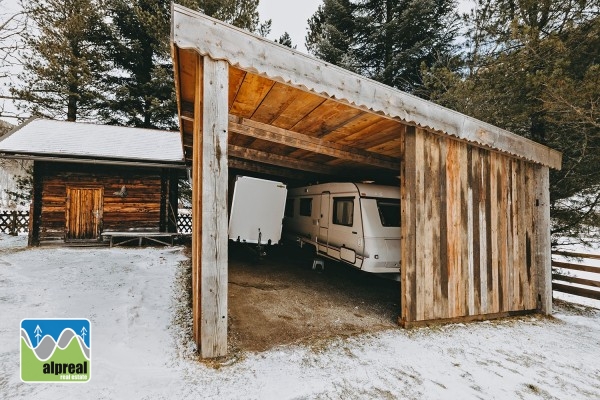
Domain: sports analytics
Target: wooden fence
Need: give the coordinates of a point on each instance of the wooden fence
(589, 288)
(184, 223)
(14, 222)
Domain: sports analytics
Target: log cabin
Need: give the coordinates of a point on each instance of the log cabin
(475, 204)
(93, 180)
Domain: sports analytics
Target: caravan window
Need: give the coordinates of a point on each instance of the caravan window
(343, 211)
(306, 207)
(389, 211)
(289, 208)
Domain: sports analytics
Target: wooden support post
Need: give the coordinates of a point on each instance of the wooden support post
(196, 173)
(209, 237)
(408, 244)
(164, 214)
(35, 210)
(172, 202)
(14, 227)
(542, 243)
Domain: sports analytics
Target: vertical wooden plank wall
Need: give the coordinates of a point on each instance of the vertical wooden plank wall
(169, 196)
(475, 231)
(173, 201)
(543, 244)
(197, 198)
(139, 209)
(164, 207)
(209, 243)
(35, 209)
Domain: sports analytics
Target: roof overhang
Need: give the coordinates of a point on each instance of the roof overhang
(94, 161)
(272, 73)
(62, 141)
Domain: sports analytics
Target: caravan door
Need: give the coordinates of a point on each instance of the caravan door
(323, 238)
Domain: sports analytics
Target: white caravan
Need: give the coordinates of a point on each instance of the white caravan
(356, 223)
(257, 211)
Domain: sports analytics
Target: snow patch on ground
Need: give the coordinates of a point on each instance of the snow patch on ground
(141, 348)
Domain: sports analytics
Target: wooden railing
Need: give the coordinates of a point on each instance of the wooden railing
(591, 287)
(14, 222)
(184, 223)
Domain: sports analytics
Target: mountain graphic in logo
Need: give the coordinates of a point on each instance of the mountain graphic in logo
(55, 350)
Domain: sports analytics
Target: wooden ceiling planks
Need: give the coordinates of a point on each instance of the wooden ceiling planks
(256, 98)
(358, 124)
(326, 117)
(303, 104)
(277, 101)
(251, 93)
(367, 135)
(301, 141)
(188, 60)
(390, 148)
(236, 77)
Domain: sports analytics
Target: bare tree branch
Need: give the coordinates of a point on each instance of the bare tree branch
(12, 26)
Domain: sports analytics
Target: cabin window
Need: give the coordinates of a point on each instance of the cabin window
(306, 207)
(289, 208)
(389, 212)
(343, 211)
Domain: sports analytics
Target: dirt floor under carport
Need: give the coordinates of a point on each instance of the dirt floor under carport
(282, 300)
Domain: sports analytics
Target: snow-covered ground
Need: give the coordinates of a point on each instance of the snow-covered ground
(141, 348)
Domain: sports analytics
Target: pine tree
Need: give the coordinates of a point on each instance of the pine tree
(65, 61)
(241, 13)
(141, 85)
(331, 32)
(400, 35)
(386, 40)
(142, 91)
(532, 68)
(285, 40)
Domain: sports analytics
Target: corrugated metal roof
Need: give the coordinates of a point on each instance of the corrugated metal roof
(264, 59)
(44, 137)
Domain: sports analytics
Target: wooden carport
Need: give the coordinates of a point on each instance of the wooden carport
(475, 199)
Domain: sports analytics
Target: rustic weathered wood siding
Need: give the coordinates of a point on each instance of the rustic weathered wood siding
(470, 244)
(83, 212)
(209, 208)
(144, 208)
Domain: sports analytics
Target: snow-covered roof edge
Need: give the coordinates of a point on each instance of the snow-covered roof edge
(51, 140)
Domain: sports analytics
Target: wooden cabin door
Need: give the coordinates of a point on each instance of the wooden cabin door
(323, 238)
(84, 213)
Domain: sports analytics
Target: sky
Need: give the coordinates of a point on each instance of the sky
(292, 16)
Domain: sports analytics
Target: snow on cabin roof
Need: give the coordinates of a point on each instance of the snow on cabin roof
(75, 140)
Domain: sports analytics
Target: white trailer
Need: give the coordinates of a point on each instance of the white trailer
(356, 223)
(257, 211)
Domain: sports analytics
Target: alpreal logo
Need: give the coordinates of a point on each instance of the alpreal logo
(55, 350)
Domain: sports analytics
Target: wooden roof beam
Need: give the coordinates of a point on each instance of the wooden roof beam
(259, 130)
(220, 41)
(297, 140)
(281, 161)
(259, 168)
(187, 111)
